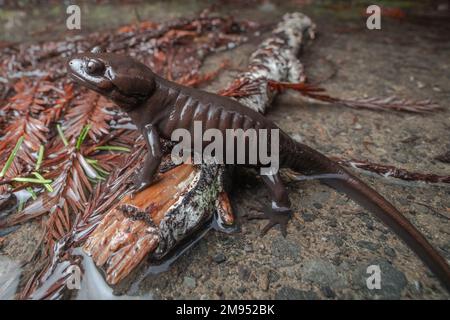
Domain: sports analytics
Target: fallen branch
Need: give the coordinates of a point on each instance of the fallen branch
(392, 171)
(275, 60)
(377, 104)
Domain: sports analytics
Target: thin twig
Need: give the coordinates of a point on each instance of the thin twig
(378, 104)
(392, 171)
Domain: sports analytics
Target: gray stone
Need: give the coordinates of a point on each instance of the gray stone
(333, 222)
(241, 289)
(392, 282)
(289, 293)
(219, 258)
(284, 252)
(367, 220)
(317, 205)
(390, 252)
(244, 273)
(321, 197)
(336, 260)
(321, 272)
(337, 239)
(189, 282)
(273, 276)
(328, 292)
(368, 245)
(308, 216)
(265, 281)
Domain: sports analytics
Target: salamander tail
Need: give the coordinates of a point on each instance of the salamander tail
(310, 162)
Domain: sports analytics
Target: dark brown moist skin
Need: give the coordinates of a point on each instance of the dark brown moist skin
(158, 107)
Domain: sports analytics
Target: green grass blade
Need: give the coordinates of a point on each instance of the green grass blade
(33, 194)
(91, 161)
(11, 156)
(100, 169)
(40, 157)
(46, 185)
(61, 134)
(112, 148)
(32, 180)
(20, 207)
(82, 136)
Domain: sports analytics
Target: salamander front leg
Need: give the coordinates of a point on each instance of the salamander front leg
(152, 161)
(279, 213)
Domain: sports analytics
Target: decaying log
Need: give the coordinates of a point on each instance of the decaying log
(275, 60)
(158, 218)
(187, 197)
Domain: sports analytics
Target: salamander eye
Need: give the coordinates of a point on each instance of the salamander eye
(95, 67)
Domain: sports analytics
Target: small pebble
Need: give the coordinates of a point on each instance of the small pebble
(189, 282)
(390, 252)
(333, 223)
(368, 245)
(327, 292)
(289, 293)
(317, 205)
(265, 282)
(418, 286)
(219, 292)
(244, 273)
(219, 258)
(308, 216)
(437, 89)
(273, 276)
(241, 289)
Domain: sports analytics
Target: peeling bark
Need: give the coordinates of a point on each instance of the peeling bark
(274, 60)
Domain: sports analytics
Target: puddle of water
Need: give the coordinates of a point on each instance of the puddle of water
(94, 286)
(152, 269)
(10, 272)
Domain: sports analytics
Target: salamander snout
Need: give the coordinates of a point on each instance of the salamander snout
(74, 65)
(89, 72)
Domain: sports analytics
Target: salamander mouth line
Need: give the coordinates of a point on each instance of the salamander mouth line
(86, 83)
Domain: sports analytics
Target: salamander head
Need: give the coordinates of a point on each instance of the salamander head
(122, 79)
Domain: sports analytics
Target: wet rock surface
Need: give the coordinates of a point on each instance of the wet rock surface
(392, 281)
(289, 293)
(331, 241)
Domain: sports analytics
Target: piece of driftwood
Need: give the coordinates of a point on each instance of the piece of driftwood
(392, 171)
(159, 218)
(150, 222)
(275, 60)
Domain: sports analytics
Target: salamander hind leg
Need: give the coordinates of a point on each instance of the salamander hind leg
(279, 212)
